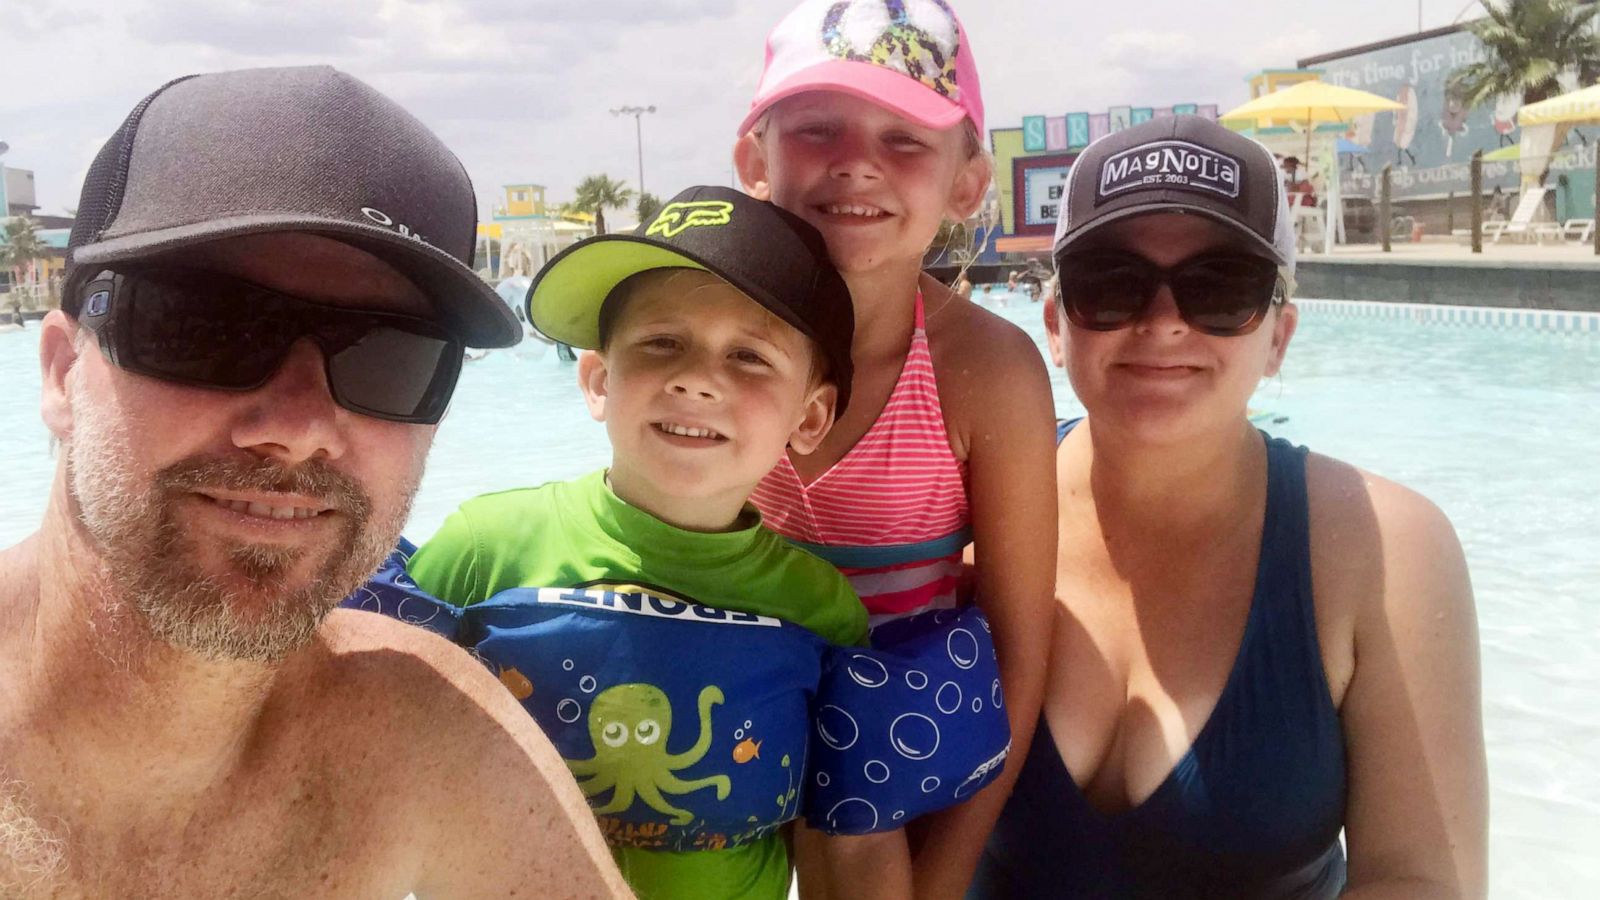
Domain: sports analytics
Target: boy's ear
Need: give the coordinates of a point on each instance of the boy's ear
(58, 353)
(966, 194)
(817, 419)
(592, 380)
(750, 160)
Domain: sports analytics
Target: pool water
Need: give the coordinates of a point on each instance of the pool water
(1500, 427)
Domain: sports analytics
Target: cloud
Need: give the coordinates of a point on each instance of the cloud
(521, 89)
(605, 12)
(255, 29)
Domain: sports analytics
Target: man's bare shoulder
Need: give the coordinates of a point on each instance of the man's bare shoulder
(421, 715)
(361, 655)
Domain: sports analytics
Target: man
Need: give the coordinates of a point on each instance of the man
(269, 293)
(1301, 192)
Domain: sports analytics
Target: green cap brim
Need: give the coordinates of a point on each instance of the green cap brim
(565, 298)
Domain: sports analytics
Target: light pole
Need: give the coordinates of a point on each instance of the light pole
(638, 130)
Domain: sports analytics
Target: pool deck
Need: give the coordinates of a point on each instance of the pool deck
(1529, 276)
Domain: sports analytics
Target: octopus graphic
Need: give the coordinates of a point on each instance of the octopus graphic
(630, 725)
(917, 37)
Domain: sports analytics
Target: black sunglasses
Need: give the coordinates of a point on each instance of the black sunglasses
(1224, 294)
(211, 330)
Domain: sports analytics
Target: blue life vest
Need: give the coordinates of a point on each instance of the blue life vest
(690, 727)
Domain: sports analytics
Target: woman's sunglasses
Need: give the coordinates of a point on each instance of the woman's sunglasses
(1219, 294)
(216, 331)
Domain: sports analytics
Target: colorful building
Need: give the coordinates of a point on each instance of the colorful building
(1031, 163)
(41, 278)
(524, 232)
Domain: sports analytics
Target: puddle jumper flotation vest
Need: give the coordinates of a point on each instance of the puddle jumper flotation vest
(695, 728)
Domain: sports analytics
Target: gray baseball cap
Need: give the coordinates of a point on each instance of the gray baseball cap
(306, 149)
(1183, 164)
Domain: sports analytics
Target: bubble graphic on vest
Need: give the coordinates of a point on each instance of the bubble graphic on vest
(963, 648)
(867, 672)
(948, 698)
(914, 736)
(851, 810)
(916, 680)
(876, 771)
(837, 728)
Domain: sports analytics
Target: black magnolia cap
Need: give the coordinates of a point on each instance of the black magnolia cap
(1186, 164)
(771, 255)
(308, 149)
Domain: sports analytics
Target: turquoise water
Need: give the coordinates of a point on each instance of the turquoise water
(1499, 427)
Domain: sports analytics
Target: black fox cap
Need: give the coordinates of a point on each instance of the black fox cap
(307, 149)
(771, 255)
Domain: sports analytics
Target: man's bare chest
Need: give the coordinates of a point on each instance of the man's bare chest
(263, 841)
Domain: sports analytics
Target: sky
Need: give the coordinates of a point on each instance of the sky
(522, 90)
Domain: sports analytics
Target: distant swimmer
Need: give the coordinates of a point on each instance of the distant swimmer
(243, 421)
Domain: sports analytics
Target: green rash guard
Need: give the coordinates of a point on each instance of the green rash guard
(579, 532)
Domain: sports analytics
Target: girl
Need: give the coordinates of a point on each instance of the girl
(867, 125)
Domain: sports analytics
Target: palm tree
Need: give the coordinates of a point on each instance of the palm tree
(1530, 44)
(649, 206)
(22, 248)
(596, 193)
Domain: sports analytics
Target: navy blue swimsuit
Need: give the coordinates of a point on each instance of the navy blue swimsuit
(1255, 807)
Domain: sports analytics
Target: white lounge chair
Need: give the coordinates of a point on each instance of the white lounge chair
(1580, 230)
(1521, 224)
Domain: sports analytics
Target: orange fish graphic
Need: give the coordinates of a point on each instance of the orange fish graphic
(748, 749)
(517, 683)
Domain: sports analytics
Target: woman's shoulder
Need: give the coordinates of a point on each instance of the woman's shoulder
(1358, 504)
(1377, 544)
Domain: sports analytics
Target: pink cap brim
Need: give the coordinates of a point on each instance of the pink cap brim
(876, 84)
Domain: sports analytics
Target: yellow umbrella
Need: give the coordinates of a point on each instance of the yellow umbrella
(1575, 108)
(1512, 153)
(1312, 102)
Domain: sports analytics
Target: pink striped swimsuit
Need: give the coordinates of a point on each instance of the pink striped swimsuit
(892, 514)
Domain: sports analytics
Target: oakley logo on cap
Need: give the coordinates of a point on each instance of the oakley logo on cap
(676, 217)
(1169, 164)
(380, 217)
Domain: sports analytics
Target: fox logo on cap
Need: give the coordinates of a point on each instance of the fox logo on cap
(676, 217)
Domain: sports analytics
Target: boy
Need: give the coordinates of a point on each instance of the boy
(648, 591)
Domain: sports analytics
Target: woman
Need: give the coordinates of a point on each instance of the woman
(1255, 647)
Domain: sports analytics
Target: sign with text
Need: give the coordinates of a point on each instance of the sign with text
(1033, 140)
(1430, 143)
(1039, 183)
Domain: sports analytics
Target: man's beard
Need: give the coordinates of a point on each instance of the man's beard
(153, 568)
